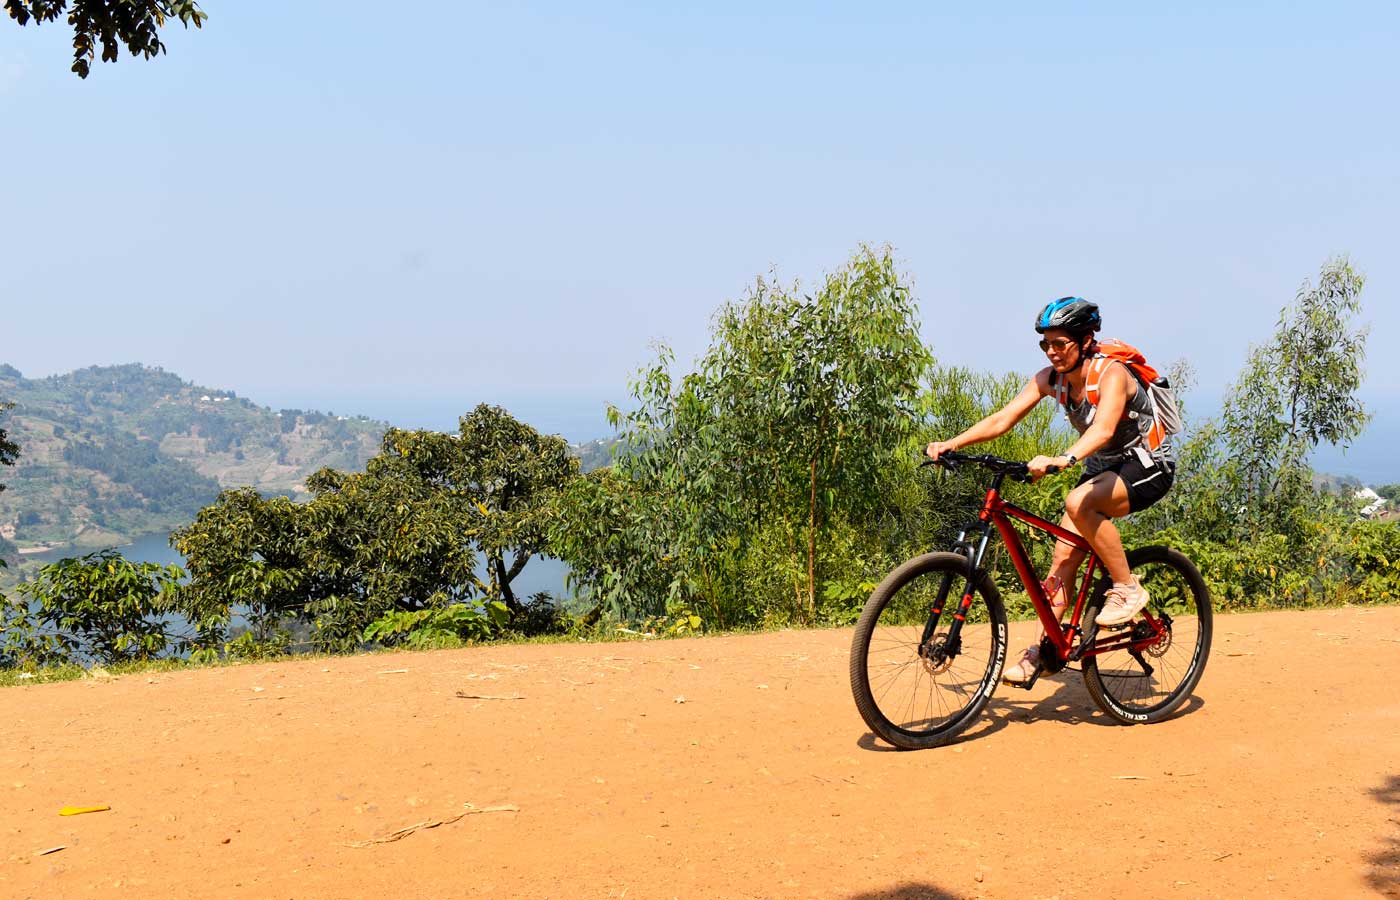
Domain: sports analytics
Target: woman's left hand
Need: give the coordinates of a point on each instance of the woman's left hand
(1040, 465)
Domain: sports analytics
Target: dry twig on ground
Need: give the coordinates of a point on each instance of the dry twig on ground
(431, 823)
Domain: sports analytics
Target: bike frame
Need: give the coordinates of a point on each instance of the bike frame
(997, 512)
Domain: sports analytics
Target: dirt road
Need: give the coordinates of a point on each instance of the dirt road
(731, 767)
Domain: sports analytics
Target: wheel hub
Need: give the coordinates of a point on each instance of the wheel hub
(936, 654)
(1159, 647)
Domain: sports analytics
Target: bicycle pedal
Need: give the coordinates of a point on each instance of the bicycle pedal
(1028, 683)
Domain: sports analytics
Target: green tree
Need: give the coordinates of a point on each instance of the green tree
(755, 464)
(404, 536)
(1296, 391)
(245, 553)
(9, 450)
(815, 393)
(365, 545)
(100, 607)
(620, 539)
(939, 503)
(514, 476)
(112, 23)
(1244, 506)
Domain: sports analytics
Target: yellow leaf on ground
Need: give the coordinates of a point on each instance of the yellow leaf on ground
(79, 810)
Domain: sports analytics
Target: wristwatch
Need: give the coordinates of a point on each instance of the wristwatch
(1071, 457)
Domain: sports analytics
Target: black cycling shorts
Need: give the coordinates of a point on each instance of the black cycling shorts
(1145, 485)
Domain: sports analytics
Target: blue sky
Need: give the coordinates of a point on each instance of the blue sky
(317, 204)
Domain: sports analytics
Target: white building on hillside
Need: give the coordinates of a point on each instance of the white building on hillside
(1373, 502)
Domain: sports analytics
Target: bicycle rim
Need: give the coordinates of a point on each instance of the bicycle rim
(1153, 685)
(918, 700)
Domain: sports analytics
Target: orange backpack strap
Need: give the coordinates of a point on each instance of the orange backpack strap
(1093, 375)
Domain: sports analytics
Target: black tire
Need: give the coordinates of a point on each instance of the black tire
(1119, 684)
(906, 699)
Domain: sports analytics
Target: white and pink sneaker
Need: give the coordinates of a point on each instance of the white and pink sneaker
(1122, 602)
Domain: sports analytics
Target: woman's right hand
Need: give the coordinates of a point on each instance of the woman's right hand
(938, 448)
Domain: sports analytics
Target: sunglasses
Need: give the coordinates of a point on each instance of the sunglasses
(1060, 345)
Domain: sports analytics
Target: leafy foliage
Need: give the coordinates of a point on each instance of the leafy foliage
(1244, 505)
(9, 450)
(113, 23)
(513, 475)
(753, 463)
(99, 607)
(437, 626)
(1297, 390)
(404, 536)
(774, 484)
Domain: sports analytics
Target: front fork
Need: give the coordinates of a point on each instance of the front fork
(952, 642)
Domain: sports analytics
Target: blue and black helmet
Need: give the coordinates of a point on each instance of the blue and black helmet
(1074, 314)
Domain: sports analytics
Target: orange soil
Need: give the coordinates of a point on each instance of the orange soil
(732, 767)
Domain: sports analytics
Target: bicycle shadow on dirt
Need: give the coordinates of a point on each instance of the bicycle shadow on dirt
(1384, 877)
(911, 891)
(1068, 704)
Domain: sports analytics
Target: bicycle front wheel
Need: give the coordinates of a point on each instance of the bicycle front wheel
(1151, 683)
(917, 693)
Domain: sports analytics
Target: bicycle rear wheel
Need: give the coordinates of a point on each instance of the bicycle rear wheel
(1151, 685)
(915, 694)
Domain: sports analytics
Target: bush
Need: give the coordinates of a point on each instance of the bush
(437, 626)
(98, 607)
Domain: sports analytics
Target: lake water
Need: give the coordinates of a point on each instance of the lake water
(539, 574)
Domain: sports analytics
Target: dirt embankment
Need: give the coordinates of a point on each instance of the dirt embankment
(724, 767)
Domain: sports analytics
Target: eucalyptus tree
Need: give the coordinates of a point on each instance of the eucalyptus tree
(955, 398)
(784, 432)
(1244, 505)
(624, 548)
(1296, 391)
(815, 392)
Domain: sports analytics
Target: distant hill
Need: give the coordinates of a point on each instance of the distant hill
(111, 453)
(596, 454)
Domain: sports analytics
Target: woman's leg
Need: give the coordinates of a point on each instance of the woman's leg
(1064, 565)
(1091, 507)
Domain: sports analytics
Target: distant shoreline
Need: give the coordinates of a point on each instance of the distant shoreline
(31, 551)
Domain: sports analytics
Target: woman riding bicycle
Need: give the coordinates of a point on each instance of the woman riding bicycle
(1114, 414)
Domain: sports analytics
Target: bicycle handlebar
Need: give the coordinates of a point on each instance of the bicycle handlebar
(1017, 471)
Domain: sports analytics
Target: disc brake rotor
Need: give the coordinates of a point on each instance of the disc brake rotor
(1164, 640)
(935, 656)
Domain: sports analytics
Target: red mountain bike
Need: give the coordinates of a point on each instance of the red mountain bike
(925, 660)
